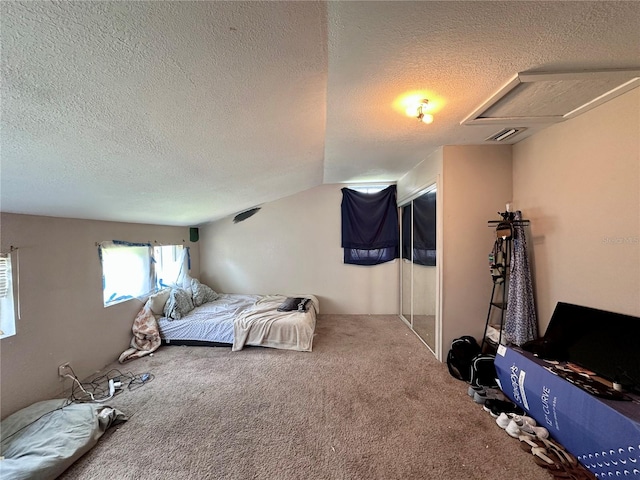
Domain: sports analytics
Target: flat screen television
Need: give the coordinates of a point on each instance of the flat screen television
(604, 342)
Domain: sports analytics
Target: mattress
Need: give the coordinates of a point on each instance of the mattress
(211, 322)
(240, 319)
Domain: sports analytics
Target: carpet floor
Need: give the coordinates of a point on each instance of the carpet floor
(370, 402)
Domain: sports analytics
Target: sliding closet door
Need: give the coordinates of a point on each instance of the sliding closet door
(406, 266)
(418, 266)
(424, 267)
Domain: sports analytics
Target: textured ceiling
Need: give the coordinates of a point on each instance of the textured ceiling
(183, 112)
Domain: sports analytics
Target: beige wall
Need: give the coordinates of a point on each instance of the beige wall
(476, 185)
(63, 318)
(293, 246)
(579, 184)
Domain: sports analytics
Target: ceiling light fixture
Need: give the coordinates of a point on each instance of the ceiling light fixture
(421, 115)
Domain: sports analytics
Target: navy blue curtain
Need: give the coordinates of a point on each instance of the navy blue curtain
(406, 231)
(424, 230)
(370, 233)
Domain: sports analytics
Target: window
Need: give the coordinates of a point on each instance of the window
(133, 270)
(368, 188)
(7, 306)
(169, 264)
(370, 230)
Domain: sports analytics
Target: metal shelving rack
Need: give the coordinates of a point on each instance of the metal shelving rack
(504, 233)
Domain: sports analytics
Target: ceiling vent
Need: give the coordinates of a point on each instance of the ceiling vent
(537, 98)
(504, 134)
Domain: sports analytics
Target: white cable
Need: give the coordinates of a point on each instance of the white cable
(112, 389)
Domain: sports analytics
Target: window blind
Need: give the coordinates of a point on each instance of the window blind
(5, 271)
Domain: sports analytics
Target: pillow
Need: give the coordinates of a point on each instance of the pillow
(157, 301)
(178, 304)
(202, 293)
(294, 303)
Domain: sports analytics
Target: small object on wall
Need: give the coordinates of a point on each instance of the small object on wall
(246, 214)
(194, 234)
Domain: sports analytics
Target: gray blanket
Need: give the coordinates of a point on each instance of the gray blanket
(44, 439)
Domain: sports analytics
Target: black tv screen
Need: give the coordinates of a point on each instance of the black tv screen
(605, 342)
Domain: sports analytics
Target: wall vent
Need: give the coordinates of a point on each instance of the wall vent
(504, 134)
(246, 214)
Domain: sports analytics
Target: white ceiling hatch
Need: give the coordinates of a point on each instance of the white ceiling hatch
(531, 98)
(180, 113)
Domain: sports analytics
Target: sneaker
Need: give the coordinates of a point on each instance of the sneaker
(539, 432)
(503, 420)
(516, 431)
(513, 429)
(521, 421)
(473, 390)
(488, 394)
(495, 407)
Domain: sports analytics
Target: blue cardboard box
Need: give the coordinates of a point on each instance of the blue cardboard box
(603, 434)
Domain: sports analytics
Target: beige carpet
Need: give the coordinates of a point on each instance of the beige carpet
(370, 402)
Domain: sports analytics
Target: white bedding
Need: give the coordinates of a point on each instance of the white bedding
(245, 320)
(211, 322)
(264, 325)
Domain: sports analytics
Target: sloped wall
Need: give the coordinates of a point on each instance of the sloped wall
(293, 246)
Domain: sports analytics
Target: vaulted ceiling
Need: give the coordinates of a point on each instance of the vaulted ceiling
(179, 113)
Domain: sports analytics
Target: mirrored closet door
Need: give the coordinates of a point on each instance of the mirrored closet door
(418, 266)
(406, 274)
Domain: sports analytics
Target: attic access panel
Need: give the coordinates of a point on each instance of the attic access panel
(540, 97)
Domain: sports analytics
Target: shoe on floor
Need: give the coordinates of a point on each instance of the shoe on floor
(473, 390)
(521, 421)
(515, 430)
(539, 432)
(488, 394)
(503, 420)
(495, 407)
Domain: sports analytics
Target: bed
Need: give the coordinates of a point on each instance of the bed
(240, 320)
(200, 316)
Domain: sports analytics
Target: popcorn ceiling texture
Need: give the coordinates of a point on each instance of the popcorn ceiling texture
(184, 112)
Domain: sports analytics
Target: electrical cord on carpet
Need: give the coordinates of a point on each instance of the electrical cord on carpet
(107, 386)
(95, 388)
